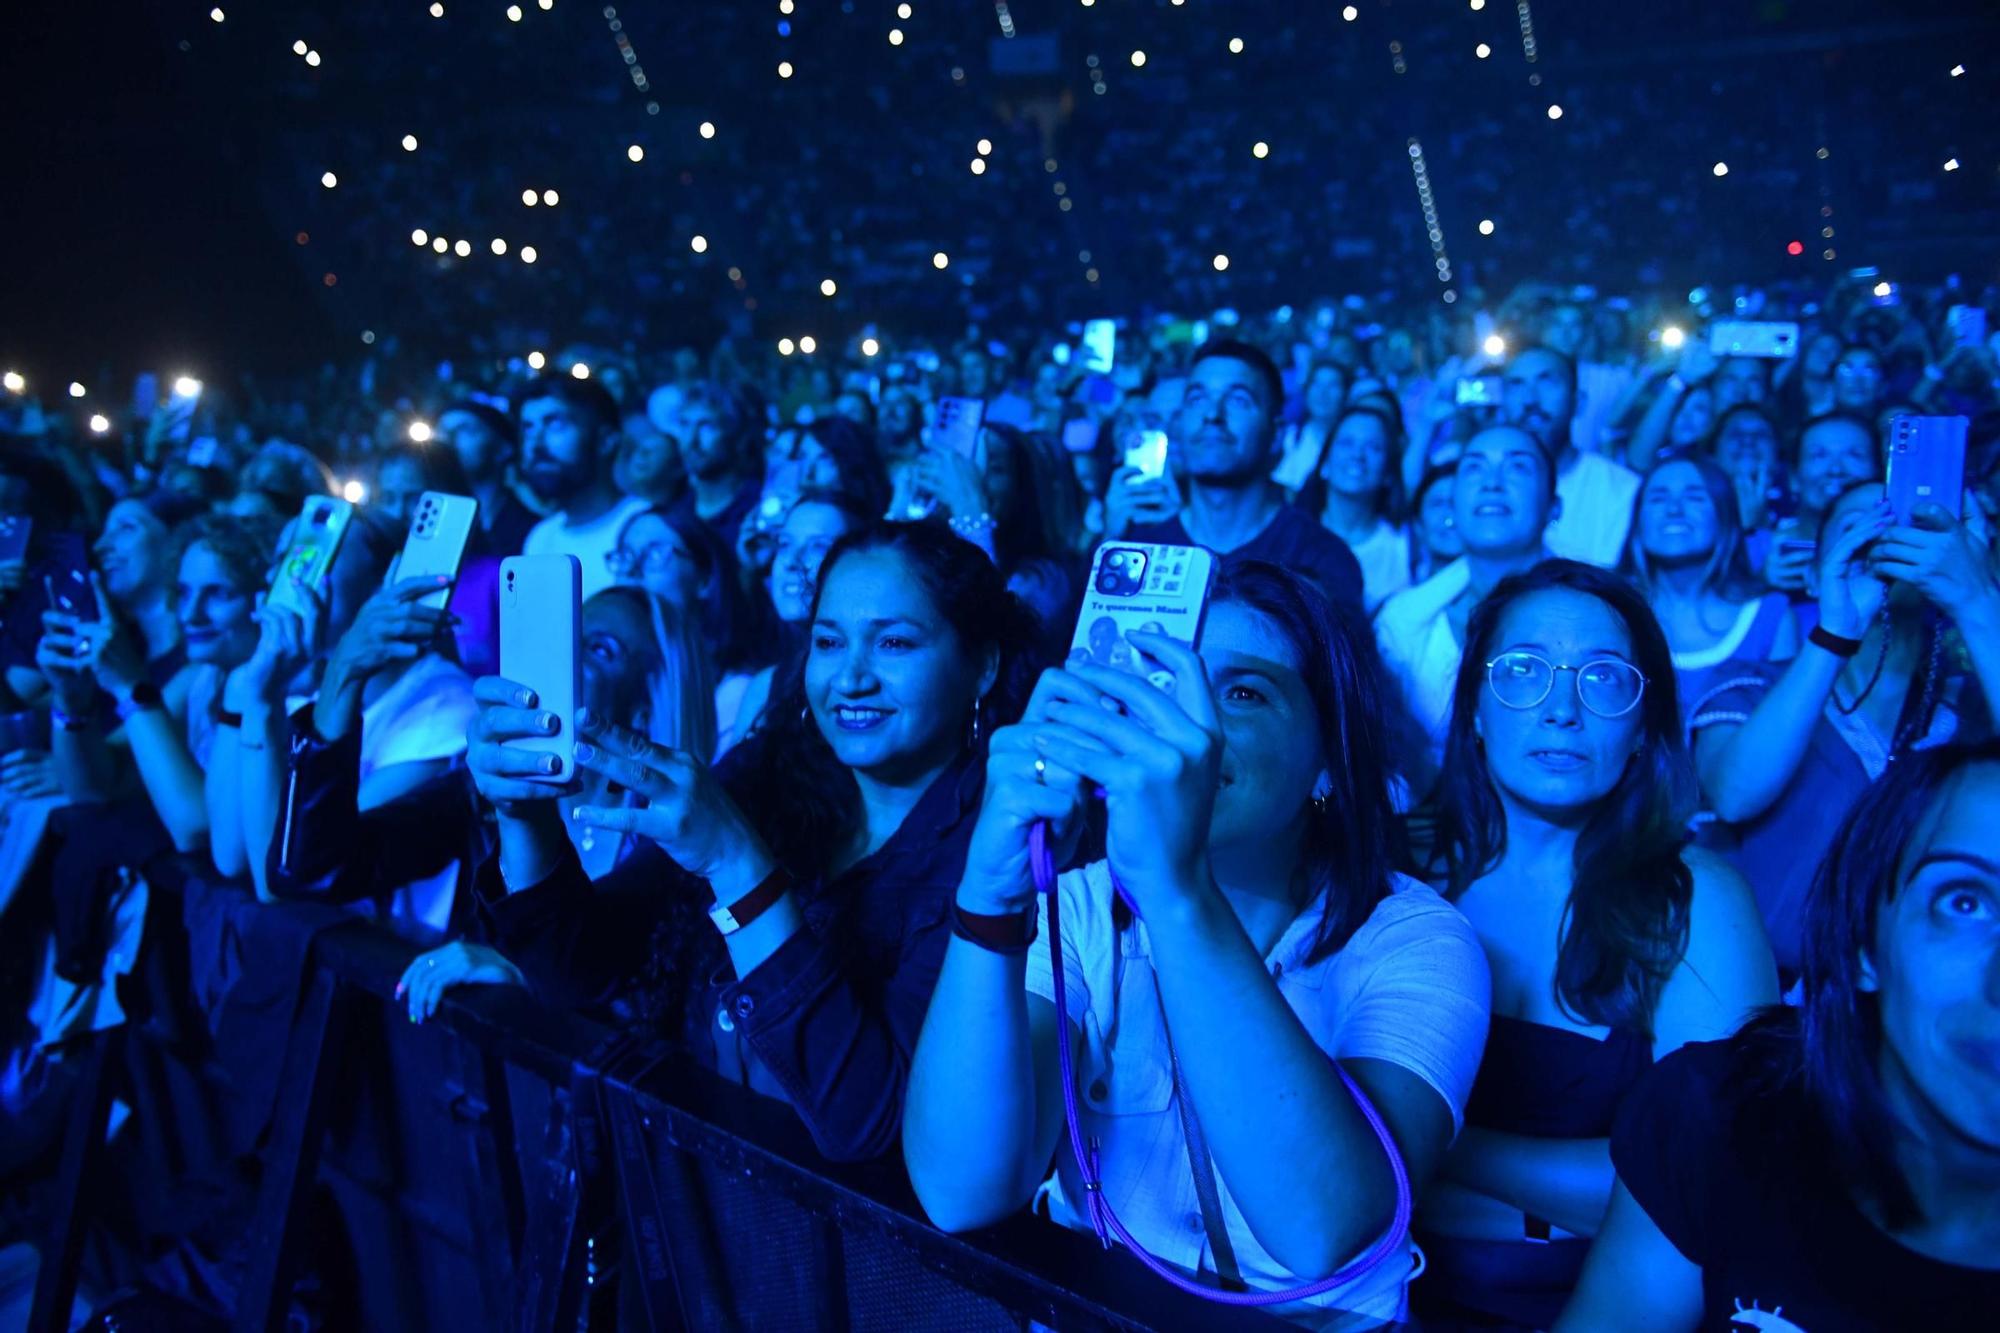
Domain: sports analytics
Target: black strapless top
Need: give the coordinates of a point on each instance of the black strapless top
(1553, 1083)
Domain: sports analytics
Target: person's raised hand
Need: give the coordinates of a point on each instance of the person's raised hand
(62, 656)
(1697, 361)
(392, 627)
(1158, 762)
(953, 480)
(1133, 498)
(113, 652)
(515, 781)
(1942, 559)
(287, 639)
(460, 963)
(1849, 593)
(686, 812)
(1023, 786)
(27, 774)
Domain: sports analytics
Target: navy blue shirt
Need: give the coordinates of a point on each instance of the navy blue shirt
(829, 1021)
(1292, 539)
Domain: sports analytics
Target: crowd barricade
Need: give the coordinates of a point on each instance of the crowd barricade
(466, 1174)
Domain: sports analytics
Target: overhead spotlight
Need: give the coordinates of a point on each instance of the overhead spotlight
(328, 179)
(1221, 263)
(499, 246)
(784, 69)
(312, 58)
(1260, 149)
(186, 386)
(902, 11)
(1350, 13)
(979, 166)
(1486, 226)
(699, 245)
(1884, 289)
(76, 389)
(895, 36)
(99, 423)
(536, 361)
(545, 4)
(940, 259)
(808, 345)
(409, 143)
(1482, 50)
(13, 381)
(707, 130)
(1957, 70)
(1720, 169)
(1673, 338)
(1555, 112)
(1951, 165)
(513, 13)
(985, 146)
(528, 254)
(1495, 346)
(1236, 46)
(869, 347)
(440, 244)
(1139, 57)
(437, 10)
(530, 198)
(461, 248)
(353, 492)
(784, 347)
(551, 198)
(635, 153)
(578, 370)
(216, 14)
(420, 432)
(299, 47)
(828, 287)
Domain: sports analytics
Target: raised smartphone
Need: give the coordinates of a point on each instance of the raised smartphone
(957, 426)
(1140, 585)
(541, 630)
(1099, 346)
(436, 544)
(1479, 391)
(310, 550)
(68, 588)
(1926, 464)
(1149, 455)
(1778, 339)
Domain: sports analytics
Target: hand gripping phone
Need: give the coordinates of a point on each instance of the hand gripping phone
(541, 632)
(310, 550)
(1778, 340)
(1139, 585)
(439, 531)
(1926, 465)
(1100, 346)
(957, 427)
(1149, 454)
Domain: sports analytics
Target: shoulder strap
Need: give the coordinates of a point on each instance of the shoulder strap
(1206, 1196)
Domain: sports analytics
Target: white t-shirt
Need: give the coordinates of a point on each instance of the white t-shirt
(1597, 497)
(1420, 649)
(588, 542)
(1384, 557)
(425, 715)
(1411, 987)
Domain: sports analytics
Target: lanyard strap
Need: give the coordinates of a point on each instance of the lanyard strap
(1207, 1198)
(1106, 1223)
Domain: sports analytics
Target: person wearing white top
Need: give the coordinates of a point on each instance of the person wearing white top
(1269, 949)
(1597, 494)
(569, 434)
(1358, 496)
(1502, 501)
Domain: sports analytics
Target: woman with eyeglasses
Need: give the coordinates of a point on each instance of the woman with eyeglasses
(1836, 1165)
(1563, 838)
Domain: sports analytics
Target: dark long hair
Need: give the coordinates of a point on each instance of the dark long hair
(731, 624)
(1625, 926)
(1353, 844)
(1831, 1045)
(856, 460)
(803, 800)
(1389, 502)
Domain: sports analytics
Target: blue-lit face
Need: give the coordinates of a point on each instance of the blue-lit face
(1357, 457)
(1500, 496)
(1936, 964)
(889, 682)
(558, 449)
(1224, 429)
(1537, 396)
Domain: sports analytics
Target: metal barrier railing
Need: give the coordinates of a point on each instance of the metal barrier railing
(767, 1233)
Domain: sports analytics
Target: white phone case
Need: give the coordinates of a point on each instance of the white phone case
(541, 623)
(1140, 585)
(436, 544)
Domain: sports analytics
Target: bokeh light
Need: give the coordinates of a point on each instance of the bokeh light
(869, 347)
(1221, 263)
(636, 153)
(420, 432)
(536, 361)
(808, 345)
(699, 245)
(579, 370)
(940, 259)
(99, 423)
(828, 287)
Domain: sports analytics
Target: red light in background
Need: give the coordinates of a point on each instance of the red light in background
(1796, 248)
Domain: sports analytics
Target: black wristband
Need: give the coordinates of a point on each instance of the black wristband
(999, 932)
(1837, 644)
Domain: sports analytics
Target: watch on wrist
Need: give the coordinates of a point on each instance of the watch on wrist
(734, 916)
(139, 698)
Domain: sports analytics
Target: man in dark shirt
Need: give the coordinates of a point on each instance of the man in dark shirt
(487, 445)
(1225, 441)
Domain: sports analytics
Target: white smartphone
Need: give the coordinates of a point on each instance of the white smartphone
(310, 550)
(541, 630)
(1100, 345)
(436, 544)
(1149, 455)
(1777, 339)
(1141, 585)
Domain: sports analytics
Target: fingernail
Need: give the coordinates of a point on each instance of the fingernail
(585, 718)
(585, 752)
(1154, 627)
(1078, 655)
(399, 990)
(551, 764)
(548, 722)
(443, 579)
(525, 698)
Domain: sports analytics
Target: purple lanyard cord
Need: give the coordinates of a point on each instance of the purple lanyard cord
(1105, 1222)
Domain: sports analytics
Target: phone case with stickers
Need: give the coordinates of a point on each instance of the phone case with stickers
(310, 552)
(1139, 585)
(439, 531)
(541, 631)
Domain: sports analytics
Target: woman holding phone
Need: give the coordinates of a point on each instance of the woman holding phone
(1269, 946)
(1563, 835)
(802, 888)
(1906, 655)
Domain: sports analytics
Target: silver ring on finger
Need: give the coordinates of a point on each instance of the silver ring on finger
(83, 645)
(430, 962)
(1041, 772)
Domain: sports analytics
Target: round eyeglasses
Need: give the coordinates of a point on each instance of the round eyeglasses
(1607, 686)
(655, 557)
